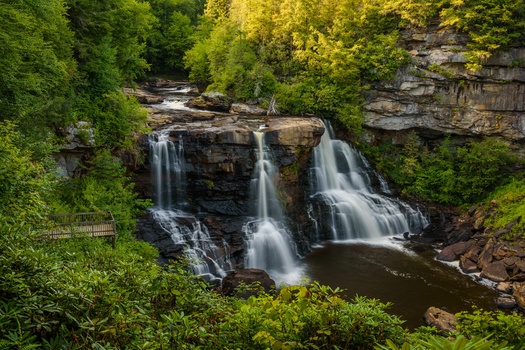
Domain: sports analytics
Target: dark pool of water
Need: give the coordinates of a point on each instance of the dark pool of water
(411, 281)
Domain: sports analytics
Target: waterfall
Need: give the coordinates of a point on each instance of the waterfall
(167, 167)
(269, 244)
(342, 181)
(185, 230)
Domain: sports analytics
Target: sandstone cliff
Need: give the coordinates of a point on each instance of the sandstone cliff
(435, 94)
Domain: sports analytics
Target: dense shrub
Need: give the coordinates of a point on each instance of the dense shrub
(447, 174)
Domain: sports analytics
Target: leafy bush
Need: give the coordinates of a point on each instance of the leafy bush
(506, 205)
(25, 184)
(497, 326)
(442, 343)
(311, 316)
(447, 174)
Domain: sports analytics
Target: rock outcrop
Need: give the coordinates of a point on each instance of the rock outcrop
(444, 321)
(79, 138)
(248, 282)
(436, 94)
(486, 251)
(220, 156)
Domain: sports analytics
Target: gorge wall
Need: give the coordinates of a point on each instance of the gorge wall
(436, 94)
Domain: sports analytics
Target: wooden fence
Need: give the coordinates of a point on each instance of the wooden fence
(95, 224)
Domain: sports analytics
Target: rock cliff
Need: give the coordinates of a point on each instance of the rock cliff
(436, 94)
(219, 152)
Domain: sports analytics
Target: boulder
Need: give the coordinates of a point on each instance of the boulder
(442, 320)
(467, 265)
(144, 96)
(242, 108)
(211, 101)
(511, 261)
(454, 251)
(295, 131)
(248, 282)
(495, 271)
(521, 265)
(519, 295)
(504, 287)
(506, 303)
(485, 256)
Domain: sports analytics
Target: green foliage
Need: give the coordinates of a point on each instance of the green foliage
(440, 70)
(497, 326)
(322, 64)
(37, 64)
(311, 316)
(446, 174)
(25, 184)
(492, 25)
(172, 33)
(509, 205)
(104, 187)
(442, 343)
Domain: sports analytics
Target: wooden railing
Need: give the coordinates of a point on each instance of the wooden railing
(94, 224)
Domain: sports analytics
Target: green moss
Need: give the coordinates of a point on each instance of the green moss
(209, 183)
(436, 68)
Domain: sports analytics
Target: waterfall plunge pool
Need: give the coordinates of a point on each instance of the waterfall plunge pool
(385, 270)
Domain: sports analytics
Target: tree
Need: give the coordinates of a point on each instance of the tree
(37, 64)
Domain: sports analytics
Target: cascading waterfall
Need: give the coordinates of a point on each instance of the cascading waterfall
(167, 166)
(269, 243)
(341, 181)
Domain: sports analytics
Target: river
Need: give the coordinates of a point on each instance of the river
(386, 271)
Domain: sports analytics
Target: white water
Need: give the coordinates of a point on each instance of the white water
(269, 244)
(355, 211)
(168, 170)
(167, 166)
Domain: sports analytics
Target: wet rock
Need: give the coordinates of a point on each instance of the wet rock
(454, 251)
(519, 295)
(485, 256)
(506, 303)
(518, 277)
(521, 265)
(442, 320)
(511, 261)
(504, 287)
(143, 96)
(467, 265)
(248, 282)
(495, 271)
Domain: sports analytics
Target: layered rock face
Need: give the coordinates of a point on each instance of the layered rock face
(436, 94)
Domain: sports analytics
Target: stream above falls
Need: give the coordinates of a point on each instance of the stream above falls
(202, 174)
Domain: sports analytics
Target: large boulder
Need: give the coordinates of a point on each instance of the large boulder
(248, 282)
(442, 320)
(495, 271)
(454, 251)
(519, 295)
(212, 101)
(246, 109)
